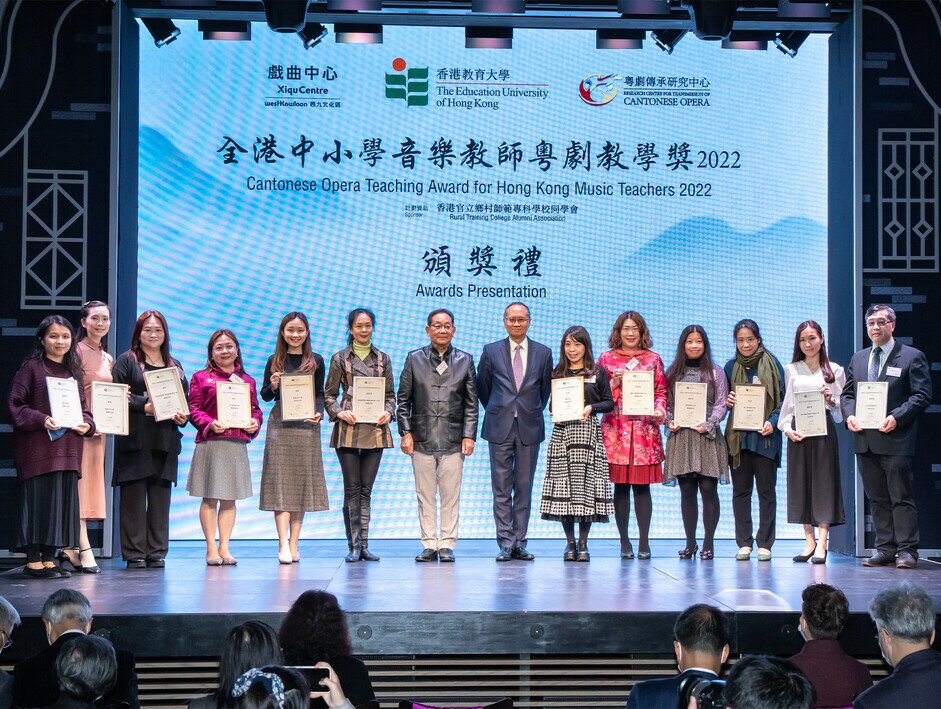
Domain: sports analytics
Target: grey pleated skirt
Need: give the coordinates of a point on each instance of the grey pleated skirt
(220, 471)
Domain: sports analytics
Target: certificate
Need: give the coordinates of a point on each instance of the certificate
(65, 404)
(637, 392)
(810, 413)
(369, 398)
(165, 391)
(233, 404)
(109, 408)
(568, 399)
(872, 399)
(297, 397)
(748, 414)
(689, 403)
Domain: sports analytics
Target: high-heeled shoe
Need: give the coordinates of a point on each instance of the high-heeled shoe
(569, 553)
(284, 556)
(801, 558)
(688, 552)
(644, 555)
(820, 559)
(64, 558)
(84, 568)
(627, 551)
(706, 555)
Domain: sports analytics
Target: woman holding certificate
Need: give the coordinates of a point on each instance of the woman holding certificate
(756, 380)
(224, 409)
(632, 431)
(697, 457)
(292, 481)
(362, 419)
(50, 418)
(94, 324)
(814, 493)
(577, 488)
(145, 461)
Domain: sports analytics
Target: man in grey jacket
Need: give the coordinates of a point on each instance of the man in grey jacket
(437, 415)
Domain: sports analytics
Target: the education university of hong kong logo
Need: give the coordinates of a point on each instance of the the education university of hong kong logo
(597, 90)
(409, 85)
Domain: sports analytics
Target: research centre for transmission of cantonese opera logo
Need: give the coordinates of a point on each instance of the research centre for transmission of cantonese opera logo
(646, 90)
(462, 87)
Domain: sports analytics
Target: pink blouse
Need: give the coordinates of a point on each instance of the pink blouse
(633, 440)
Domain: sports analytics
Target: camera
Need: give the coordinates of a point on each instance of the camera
(708, 692)
(313, 675)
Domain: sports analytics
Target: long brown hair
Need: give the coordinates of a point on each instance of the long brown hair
(706, 374)
(137, 350)
(308, 363)
(614, 341)
(799, 353)
(223, 332)
(580, 335)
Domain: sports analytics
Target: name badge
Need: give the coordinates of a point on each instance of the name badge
(893, 371)
(442, 368)
(633, 364)
(236, 378)
(756, 380)
(590, 380)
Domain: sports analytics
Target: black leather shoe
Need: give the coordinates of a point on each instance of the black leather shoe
(627, 551)
(63, 574)
(569, 553)
(906, 560)
(354, 556)
(505, 554)
(156, 563)
(522, 554)
(427, 555)
(583, 554)
(367, 555)
(65, 559)
(446, 555)
(880, 558)
(136, 564)
(43, 573)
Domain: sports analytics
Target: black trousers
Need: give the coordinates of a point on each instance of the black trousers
(145, 518)
(359, 466)
(887, 480)
(755, 471)
(512, 469)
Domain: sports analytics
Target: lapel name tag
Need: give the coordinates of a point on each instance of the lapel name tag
(893, 371)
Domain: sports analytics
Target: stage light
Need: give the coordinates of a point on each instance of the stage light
(499, 7)
(620, 39)
(287, 16)
(644, 7)
(488, 38)
(712, 19)
(790, 42)
(161, 29)
(354, 5)
(226, 30)
(357, 34)
(808, 9)
(747, 40)
(667, 39)
(312, 34)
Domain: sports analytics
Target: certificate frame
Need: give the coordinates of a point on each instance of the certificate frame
(748, 414)
(810, 413)
(689, 403)
(368, 398)
(233, 404)
(872, 404)
(165, 392)
(65, 402)
(568, 399)
(298, 399)
(637, 392)
(110, 408)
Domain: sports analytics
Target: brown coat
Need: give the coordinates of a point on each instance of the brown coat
(345, 365)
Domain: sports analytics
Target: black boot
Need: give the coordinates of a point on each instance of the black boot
(352, 533)
(364, 553)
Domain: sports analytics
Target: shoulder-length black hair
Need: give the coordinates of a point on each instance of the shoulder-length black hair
(71, 360)
(314, 629)
(824, 359)
(706, 374)
(308, 361)
(223, 332)
(580, 335)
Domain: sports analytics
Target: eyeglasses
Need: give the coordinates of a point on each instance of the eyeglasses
(223, 348)
(517, 321)
(7, 642)
(630, 330)
(881, 322)
(441, 328)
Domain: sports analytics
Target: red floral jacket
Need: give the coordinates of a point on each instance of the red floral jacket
(633, 439)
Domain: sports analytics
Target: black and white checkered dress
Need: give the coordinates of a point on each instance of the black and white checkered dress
(576, 485)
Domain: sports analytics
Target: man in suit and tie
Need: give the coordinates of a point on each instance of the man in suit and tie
(701, 645)
(513, 383)
(67, 614)
(884, 455)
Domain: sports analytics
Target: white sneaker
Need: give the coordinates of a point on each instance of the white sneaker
(764, 554)
(744, 554)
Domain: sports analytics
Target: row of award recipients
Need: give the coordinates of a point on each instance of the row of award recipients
(144, 398)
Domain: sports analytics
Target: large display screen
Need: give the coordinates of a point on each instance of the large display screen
(418, 174)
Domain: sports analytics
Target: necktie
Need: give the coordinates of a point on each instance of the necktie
(518, 367)
(874, 364)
